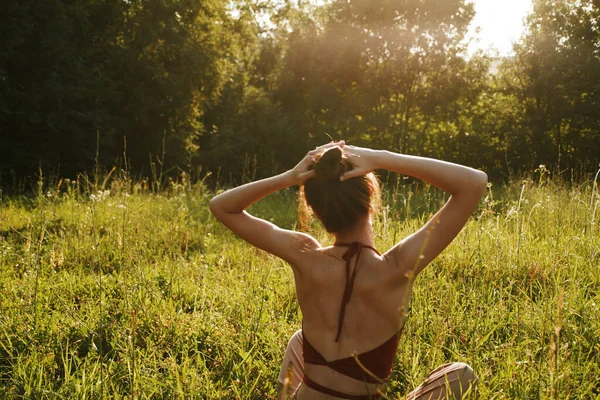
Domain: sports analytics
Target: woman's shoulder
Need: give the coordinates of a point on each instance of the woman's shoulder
(317, 263)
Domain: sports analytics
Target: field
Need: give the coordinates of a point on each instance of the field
(117, 291)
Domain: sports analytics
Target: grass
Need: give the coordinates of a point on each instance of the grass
(116, 291)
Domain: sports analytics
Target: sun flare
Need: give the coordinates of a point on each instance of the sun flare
(500, 24)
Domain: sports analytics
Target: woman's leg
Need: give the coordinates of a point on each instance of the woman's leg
(291, 372)
(450, 381)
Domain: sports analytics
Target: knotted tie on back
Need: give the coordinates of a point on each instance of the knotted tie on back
(375, 364)
(354, 248)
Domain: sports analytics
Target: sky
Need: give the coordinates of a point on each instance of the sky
(501, 23)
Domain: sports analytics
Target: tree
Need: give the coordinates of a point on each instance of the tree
(555, 73)
(380, 72)
(140, 70)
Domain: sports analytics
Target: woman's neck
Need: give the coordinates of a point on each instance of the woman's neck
(362, 233)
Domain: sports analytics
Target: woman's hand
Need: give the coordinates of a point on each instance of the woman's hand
(362, 159)
(304, 169)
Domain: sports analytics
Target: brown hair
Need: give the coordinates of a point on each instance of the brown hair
(339, 205)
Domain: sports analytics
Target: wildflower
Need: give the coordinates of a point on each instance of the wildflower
(101, 195)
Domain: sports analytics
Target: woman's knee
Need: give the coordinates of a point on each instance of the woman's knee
(291, 372)
(466, 372)
(293, 351)
(466, 376)
(296, 339)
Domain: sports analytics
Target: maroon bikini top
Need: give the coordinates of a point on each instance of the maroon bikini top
(378, 360)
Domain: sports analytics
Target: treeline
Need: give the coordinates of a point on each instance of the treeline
(251, 85)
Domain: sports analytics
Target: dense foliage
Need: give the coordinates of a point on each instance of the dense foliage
(226, 85)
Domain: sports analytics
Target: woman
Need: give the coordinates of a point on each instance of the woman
(353, 299)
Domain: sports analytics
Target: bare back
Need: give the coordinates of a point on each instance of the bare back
(374, 313)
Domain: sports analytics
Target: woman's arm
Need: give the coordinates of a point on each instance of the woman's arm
(236, 200)
(229, 208)
(466, 185)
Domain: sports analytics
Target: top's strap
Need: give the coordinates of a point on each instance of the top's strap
(354, 248)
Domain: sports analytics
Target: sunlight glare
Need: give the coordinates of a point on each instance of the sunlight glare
(500, 23)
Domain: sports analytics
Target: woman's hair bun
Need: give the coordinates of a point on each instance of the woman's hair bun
(339, 205)
(331, 164)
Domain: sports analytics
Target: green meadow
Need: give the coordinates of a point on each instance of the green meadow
(115, 290)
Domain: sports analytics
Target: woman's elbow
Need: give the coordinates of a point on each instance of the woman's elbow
(215, 207)
(481, 180)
